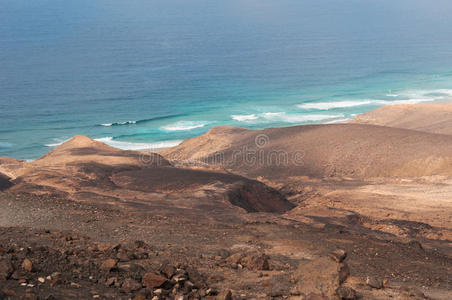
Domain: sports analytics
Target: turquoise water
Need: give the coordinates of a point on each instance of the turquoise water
(149, 73)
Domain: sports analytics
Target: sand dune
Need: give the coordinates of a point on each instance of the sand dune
(334, 150)
(434, 118)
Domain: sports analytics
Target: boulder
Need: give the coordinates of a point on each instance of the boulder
(256, 261)
(346, 293)
(108, 264)
(374, 282)
(27, 265)
(321, 276)
(151, 280)
(338, 255)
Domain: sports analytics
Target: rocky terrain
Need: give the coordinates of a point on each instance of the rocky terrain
(340, 211)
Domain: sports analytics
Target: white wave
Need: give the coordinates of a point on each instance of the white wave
(138, 146)
(330, 105)
(437, 94)
(338, 121)
(118, 123)
(244, 118)
(57, 142)
(127, 145)
(392, 95)
(184, 125)
(407, 101)
(344, 104)
(297, 118)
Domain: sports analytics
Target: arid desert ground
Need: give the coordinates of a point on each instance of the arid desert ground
(357, 210)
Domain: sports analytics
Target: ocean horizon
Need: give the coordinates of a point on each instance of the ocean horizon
(149, 74)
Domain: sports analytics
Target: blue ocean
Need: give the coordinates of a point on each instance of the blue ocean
(149, 73)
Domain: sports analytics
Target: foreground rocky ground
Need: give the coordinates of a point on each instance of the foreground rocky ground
(99, 252)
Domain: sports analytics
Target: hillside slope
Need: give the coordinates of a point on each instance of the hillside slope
(433, 118)
(343, 150)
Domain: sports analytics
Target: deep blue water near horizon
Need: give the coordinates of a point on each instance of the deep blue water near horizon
(149, 73)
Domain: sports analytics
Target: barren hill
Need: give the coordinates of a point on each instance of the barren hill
(338, 150)
(434, 118)
(90, 171)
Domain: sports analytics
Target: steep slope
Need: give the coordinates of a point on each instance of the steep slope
(434, 118)
(353, 150)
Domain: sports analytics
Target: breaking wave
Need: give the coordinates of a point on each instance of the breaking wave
(184, 125)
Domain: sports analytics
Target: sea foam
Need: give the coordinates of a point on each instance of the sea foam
(345, 104)
(119, 123)
(138, 146)
(244, 118)
(126, 145)
(298, 118)
(331, 105)
(184, 125)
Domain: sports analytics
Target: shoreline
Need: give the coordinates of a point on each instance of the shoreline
(135, 146)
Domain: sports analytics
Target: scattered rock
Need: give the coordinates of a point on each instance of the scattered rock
(320, 276)
(41, 279)
(411, 293)
(346, 293)
(6, 268)
(224, 295)
(141, 296)
(27, 265)
(56, 276)
(111, 281)
(108, 264)
(167, 269)
(415, 244)
(130, 285)
(152, 280)
(256, 261)
(7, 292)
(374, 282)
(338, 255)
(313, 296)
(234, 259)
